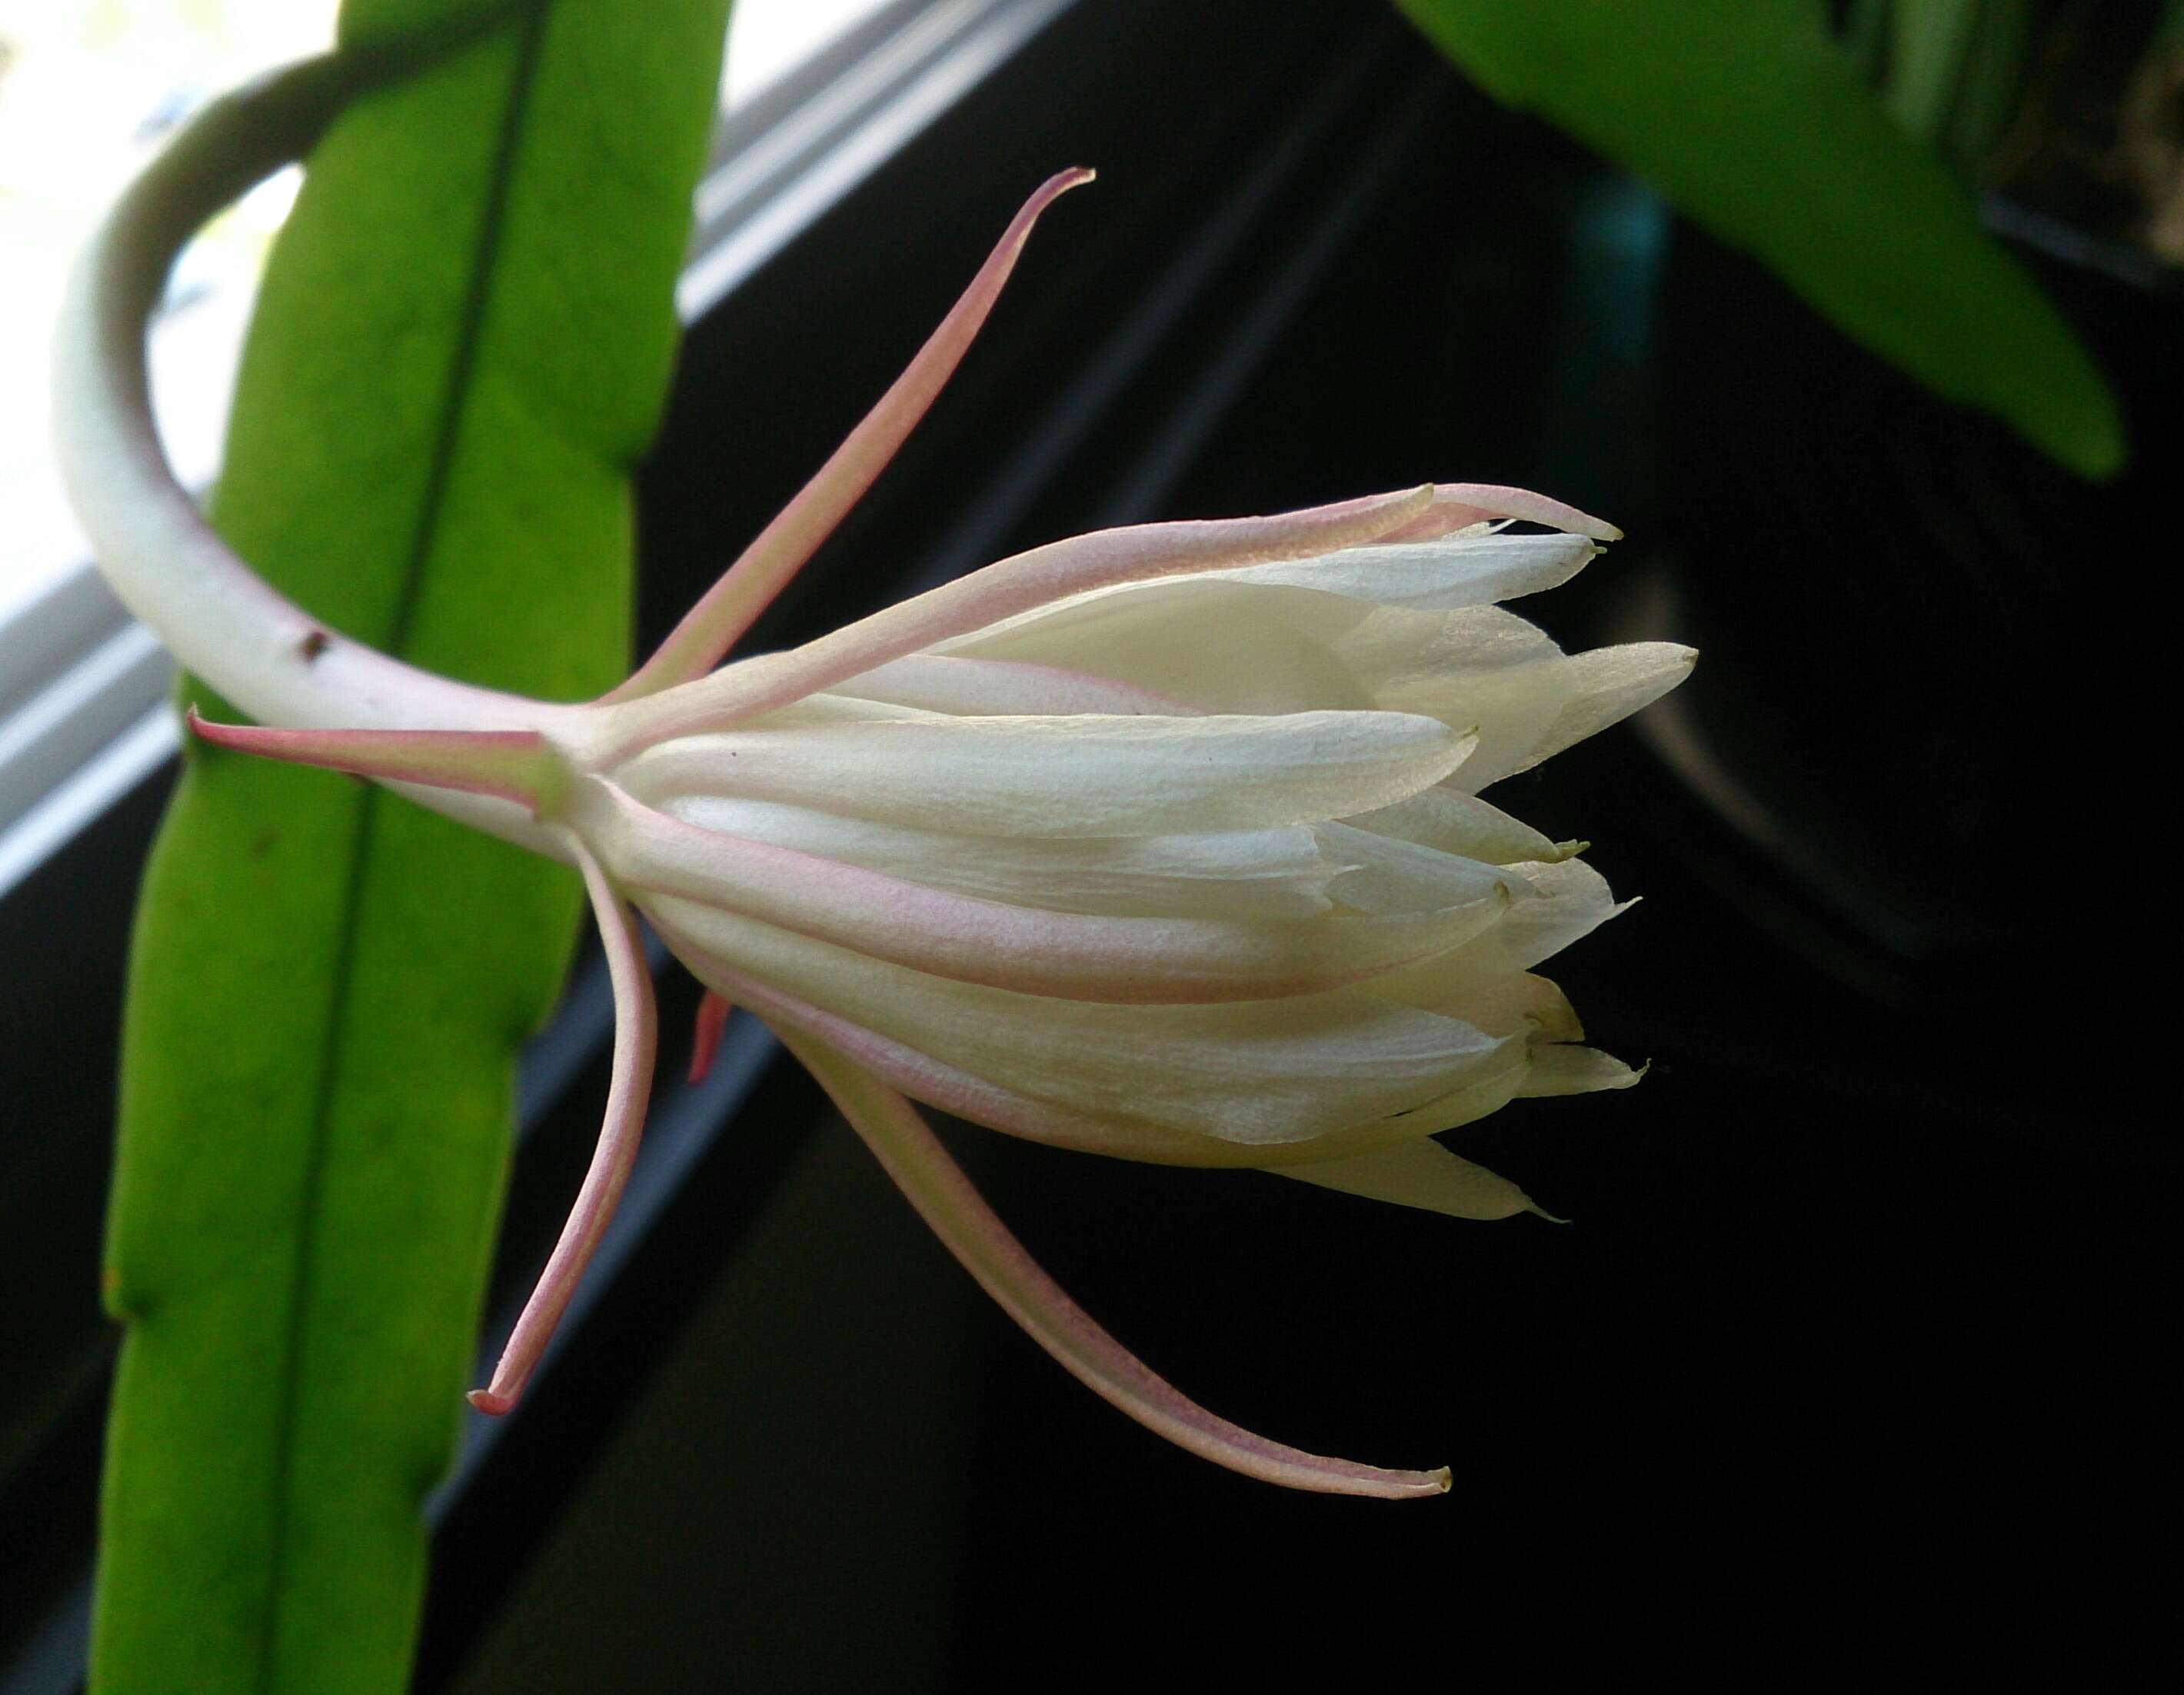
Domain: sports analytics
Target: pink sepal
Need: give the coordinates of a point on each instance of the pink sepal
(509, 765)
(1458, 505)
(710, 628)
(931, 1181)
(636, 1039)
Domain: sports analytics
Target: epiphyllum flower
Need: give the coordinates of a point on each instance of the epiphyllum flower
(1162, 842)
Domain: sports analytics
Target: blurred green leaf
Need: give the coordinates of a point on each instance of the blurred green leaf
(463, 344)
(1748, 115)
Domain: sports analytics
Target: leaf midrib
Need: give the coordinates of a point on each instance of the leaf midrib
(461, 369)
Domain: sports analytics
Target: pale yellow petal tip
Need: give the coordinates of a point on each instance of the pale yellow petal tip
(1539, 1212)
(1445, 1478)
(1570, 850)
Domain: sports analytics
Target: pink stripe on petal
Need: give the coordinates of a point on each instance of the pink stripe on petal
(628, 1091)
(1028, 950)
(1138, 554)
(510, 765)
(947, 1087)
(945, 1199)
(729, 608)
(1457, 505)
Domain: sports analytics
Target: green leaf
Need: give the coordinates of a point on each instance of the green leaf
(463, 344)
(1748, 116)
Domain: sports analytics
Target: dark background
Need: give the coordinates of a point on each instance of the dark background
(1858, 1362)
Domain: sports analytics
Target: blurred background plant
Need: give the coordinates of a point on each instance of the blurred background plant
(1755, 118)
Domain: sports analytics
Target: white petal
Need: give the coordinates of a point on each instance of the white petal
(1221, 646)
(1385, 874)
(1419, 1174)
(1573, 899)
(1027, 582)
(1224, 644)
(1029, 949)
(1089, 776)
(1476, 667)
(1518, 1003)
(1608, 684)
(1281, 873)
(1566, 1068)
(979, 687)
(1446, 818)
(1262, 1072)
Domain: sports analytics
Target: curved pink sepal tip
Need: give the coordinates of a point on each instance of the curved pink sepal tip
(628, 1091)
(710, 628)
(897, 1133)
(509, 765)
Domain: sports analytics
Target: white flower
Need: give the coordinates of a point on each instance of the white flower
(1188, 868)
(1162, 842)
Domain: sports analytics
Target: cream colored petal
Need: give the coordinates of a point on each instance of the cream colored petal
(1516, 1003)
(1385, 874)
(1251, 874)
(1030, 580)
(1607, 685)
(1263, 1072)
(950, 1089)
(979, 687)
(1421, 1174)
(1450, 821)
(1090, 776)
(1221, 646)
(1572, 900)
(1570, 1069)
(1224, 644)
(1478, 667)
(1002, 944)
(981, 1100)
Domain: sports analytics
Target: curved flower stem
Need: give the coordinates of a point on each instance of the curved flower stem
(710, 628)
(635, 1040)
(221, 620)
(936, 1187)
